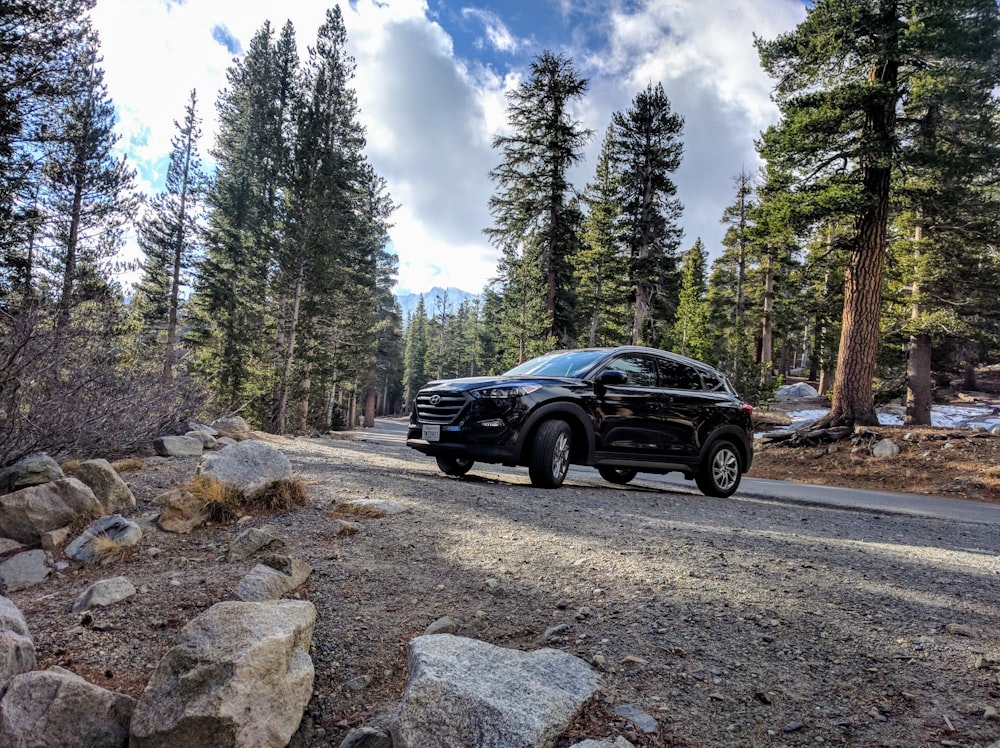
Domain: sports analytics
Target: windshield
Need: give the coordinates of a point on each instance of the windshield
(558, 364)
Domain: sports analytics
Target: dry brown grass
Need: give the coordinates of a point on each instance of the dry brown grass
(69, 466)
(282, 495)
(128, 464)
(222, 502)
(347, 509)
(108, 551)
(225, 503)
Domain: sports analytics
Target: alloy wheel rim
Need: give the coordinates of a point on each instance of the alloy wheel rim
(560, 456)
(725, 469)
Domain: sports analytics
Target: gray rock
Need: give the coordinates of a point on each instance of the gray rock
(250, 542)
(208, 440)
(386, 506)
(33, 470)
(24, 570)
(637, 716)
(17, 649)
(199, 426)
(239, 675)
(619, 742)
(464, 692)
(178, 446)
(443, 625)
(225, 441)
(250, 466)
(104, 593)
(29, 512)
(885, 448)
(231, 425)
(367, 737)
(995, 430)
(7, 545)
(182, 511)
(55, 708)
(114, 527)
(272, 578)
(113, 493)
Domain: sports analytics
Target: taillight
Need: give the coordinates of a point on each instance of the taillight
(748, 408)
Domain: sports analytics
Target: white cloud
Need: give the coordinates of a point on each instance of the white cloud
(430, 116)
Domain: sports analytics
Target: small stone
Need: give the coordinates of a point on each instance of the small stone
(443, 625)
(990, 712)
(554, 631)
(960, 629)
(358, 682)
(793, 727)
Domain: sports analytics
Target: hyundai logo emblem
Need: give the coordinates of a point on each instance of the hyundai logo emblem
(435, 399)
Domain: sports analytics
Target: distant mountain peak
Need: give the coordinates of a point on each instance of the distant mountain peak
(452, 296)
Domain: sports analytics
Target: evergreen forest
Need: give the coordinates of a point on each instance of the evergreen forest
(863, 254)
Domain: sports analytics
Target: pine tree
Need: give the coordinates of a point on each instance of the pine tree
(945, 269)
(691, 334)
(87, 193)
(415, 373)
(39, 44)
(169, 236)
(649, 150)
(536, 222)
(843, 76)
(602, 278)
(233, 322)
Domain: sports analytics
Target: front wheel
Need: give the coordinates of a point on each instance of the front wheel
(549, 459)
(618, 475)
(721, 473)
(454, 465)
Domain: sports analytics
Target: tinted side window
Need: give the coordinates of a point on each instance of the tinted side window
(712, 380)
(678, 376)
(641, 371)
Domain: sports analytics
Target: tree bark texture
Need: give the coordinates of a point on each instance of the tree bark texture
(918, 382)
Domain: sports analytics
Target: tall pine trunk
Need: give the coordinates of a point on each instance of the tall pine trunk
(853, 401)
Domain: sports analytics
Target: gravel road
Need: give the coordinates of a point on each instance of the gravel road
(739, 622)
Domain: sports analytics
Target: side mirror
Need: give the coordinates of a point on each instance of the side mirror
(606, 378)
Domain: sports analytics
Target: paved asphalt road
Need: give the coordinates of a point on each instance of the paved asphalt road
(393, 430)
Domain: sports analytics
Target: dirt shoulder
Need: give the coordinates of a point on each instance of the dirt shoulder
(956, 461)
(731, 622)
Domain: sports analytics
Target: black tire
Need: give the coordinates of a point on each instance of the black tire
(720, 475)
(550, 453)
(455, 465)
(618, 475)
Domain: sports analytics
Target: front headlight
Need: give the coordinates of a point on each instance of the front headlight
(504, 393)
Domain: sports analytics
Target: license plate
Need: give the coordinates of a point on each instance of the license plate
(431, 433)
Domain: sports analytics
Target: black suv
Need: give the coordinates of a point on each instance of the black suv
(624, 410)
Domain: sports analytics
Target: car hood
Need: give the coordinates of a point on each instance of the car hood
(475, 383)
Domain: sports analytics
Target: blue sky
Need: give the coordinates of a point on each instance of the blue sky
(431, 78)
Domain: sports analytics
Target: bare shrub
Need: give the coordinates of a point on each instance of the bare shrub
(75, 386)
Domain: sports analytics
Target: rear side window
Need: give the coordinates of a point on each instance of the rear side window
(677, 376)
(640, 370)
(712, 380)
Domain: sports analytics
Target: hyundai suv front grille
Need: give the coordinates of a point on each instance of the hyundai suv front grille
(439, 407)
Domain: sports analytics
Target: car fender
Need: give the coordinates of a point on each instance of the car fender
(570, 412)
(735, 434)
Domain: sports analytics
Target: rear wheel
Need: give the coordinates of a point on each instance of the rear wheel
(549, 459)
(721, 473)
(618, 475)
(454, 465)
